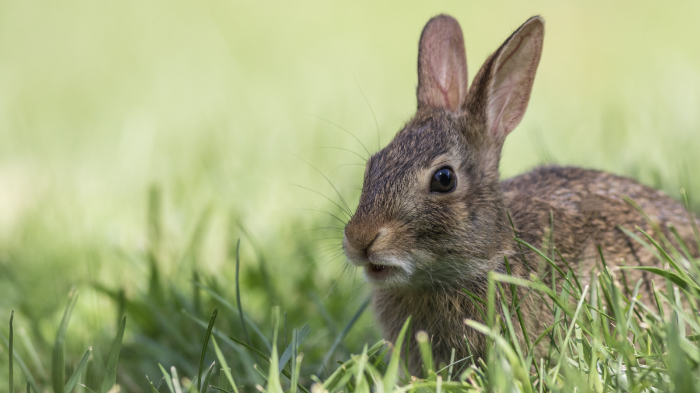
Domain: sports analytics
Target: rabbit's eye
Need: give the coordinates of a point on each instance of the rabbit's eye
(443, 181)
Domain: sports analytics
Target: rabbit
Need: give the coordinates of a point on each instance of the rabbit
(433, 215)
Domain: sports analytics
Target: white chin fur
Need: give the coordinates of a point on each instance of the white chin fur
(404, 269)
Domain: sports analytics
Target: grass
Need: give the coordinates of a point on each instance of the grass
(601, 340)
(100, 105)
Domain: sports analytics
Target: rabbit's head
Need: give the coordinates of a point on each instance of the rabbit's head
(431, 212)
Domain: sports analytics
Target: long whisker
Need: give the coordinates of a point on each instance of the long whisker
(370, 109)
(323, 196)
(351, 164)
(327, 179)
(340, 148)
(322, 228)
(349, 133)
(321, 211)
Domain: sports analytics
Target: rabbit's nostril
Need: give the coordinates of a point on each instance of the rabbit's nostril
(366, 250)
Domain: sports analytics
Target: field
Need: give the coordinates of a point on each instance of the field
(140, 141)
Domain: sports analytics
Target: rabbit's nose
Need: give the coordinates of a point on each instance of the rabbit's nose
(357, 247)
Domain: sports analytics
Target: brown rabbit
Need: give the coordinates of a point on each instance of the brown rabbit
(433, 215)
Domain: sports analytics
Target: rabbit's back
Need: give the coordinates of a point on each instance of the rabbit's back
(586, 209)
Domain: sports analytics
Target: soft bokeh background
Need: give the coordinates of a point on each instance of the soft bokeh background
(226, 108)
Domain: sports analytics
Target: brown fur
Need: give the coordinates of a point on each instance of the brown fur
(436, 244)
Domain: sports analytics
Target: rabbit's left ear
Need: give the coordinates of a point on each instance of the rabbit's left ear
(501, 89)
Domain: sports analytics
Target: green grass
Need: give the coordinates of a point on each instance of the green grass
(142, 141)
(601, 340)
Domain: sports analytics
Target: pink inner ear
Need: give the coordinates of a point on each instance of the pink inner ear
(512, 80)
(444, 71)
(442, 76)
(497, 106)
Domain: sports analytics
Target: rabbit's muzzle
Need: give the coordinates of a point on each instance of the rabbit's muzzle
(375, 256)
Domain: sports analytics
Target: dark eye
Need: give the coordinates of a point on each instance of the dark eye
(443, 181)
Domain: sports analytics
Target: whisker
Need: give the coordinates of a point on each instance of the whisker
(342, 200)
(319, 211)
(339, 148)
(371, 110)
(323, 196)
(323, 228)
(344, 165)
(349, 133)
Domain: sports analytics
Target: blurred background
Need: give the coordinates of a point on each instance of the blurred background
(227, 115)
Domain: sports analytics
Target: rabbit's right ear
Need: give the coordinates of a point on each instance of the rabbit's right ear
(501, 89)
(442, 65)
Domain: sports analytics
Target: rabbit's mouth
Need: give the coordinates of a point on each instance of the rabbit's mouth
(379, 272)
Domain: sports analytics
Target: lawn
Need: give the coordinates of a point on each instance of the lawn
(142, 140)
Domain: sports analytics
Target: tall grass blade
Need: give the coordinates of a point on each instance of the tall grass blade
(333, 381)
(236, 311)
(73, 380)
(224, 365)
(392, 370)
(684, 283)
(426, 352)
(29, 347)
(296, 370)
(10, 353)
(572, 325)
(262, 265)
(293, 366)
(176, 380)
(291, 349)
(207, 378)
(110, 378)
(342, 335)
(273, 378)
(21, 364)
(167, 377)
(520, 373)
(154, 219)
(238, 296)
(204, 347)
(58, 361)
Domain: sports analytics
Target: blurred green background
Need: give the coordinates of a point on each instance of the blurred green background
(226, 106)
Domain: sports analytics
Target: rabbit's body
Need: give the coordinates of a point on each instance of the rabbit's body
(433, 215)
(585, 208)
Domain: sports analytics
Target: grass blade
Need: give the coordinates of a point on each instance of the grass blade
(273, 379)
(572, 324)
(236, 311)
(205, 383)
(296, 370)
(392, 369)
(667, 274)
(21, 365)
(110, 378)
(204, 347)
(224, 365)
(176, 380)
(167, 377)
(342, 335)
(238, 296)
(333, 381)
(290, 351)
(73, 380)
(426, 352)
(11, 352)
(58, 360)
(519, 371)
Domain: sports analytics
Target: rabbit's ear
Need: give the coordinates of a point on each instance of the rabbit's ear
(442, 65)
(501, 89)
